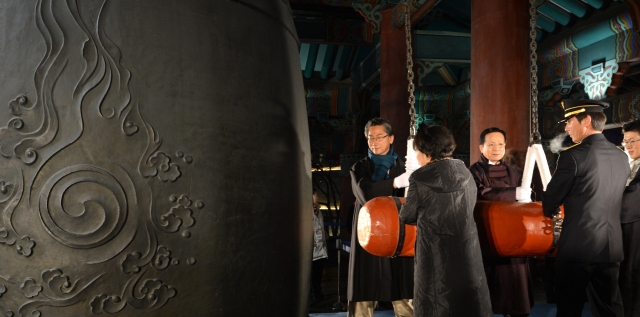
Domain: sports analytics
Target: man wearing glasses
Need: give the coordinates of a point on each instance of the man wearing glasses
(508, 279)
(630, 268)
(373, 278)
(589, 180)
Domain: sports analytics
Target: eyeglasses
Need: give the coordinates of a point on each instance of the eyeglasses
(629, 142)
(376, 138)
(496, 146)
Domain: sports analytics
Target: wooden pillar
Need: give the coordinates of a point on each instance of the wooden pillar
(394, 105)
(500, 72)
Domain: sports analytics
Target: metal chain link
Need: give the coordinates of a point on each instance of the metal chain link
(411, 87)
(534, 137)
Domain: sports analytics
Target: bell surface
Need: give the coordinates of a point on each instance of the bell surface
(154, 159)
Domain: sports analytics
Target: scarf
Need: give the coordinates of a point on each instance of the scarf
(382, 164)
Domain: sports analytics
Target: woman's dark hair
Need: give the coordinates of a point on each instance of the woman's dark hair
(435, 141)
(632, 126)
(491, 130)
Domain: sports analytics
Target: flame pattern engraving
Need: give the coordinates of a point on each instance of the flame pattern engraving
(87, 205)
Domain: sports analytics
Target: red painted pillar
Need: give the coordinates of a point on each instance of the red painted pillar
(394, 105)
(500, 72)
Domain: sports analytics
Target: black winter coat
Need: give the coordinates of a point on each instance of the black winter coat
(449, 276)
(375, 278)
(630, 201)
(496, 182)
(629, 279)
(509, 280)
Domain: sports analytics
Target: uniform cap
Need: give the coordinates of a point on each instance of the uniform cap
(573, 107)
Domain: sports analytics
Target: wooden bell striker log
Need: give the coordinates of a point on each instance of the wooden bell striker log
(515, 229)
(380, 230)
(509, 229)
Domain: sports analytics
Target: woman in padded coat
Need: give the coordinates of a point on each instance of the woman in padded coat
(449, 278)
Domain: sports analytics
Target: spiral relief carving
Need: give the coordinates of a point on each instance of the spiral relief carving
(83, 206)
(6, 190)
(92, 201)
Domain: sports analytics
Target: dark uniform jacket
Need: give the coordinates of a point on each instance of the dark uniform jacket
(589, 180)
(449, 275)
(374, 278)
(631, 201)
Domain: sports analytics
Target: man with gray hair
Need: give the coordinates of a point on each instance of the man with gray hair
(374, 278)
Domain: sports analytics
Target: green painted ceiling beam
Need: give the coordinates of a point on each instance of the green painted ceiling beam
(555, 13)
(304, 54)
(311, 60)
(326, 63)
(595, 3)
(322, 51)
(576, 8)
(344, 53)
(545, 24)
(593, 34)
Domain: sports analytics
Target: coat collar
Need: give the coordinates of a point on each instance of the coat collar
(485, 160)
(593, 138)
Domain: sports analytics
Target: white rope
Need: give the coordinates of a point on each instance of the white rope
(411, 162)
(535, 156)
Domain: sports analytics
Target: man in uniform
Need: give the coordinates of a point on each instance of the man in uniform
(374, 278)
(589, 180)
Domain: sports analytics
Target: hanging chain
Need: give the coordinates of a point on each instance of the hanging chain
(534, 137)
(411, 88)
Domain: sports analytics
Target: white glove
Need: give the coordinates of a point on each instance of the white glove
(402, 180)
(411, 163)
(523, 194)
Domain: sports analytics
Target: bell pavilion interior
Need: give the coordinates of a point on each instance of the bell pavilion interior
(468, 59)
(157, 157)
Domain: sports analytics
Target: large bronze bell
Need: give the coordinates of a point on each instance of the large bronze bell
(154, 159)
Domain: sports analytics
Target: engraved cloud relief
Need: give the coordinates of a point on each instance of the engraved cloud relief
(66, 195)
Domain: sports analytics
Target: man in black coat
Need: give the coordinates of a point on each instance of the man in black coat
(589, 180)
(630, 268)
(508, 279)
(373, 278)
